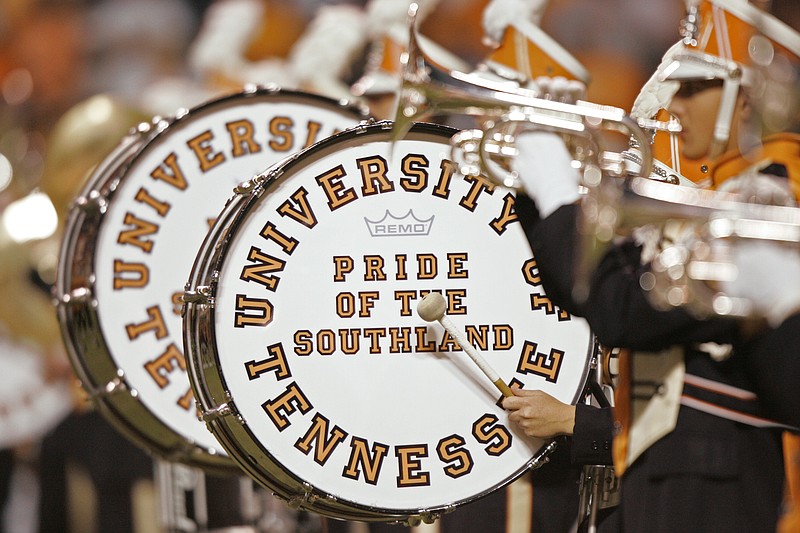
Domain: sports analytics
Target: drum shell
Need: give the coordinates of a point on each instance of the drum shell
(88, 345)
(213, 389)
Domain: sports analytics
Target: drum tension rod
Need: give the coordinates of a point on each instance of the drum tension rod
(302, 501)
(94, 202)
(224, 409)
(115, 386)
(199, 295)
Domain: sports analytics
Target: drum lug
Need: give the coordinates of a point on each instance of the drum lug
(305, 500)
(224, 409)
(115, 386)
(424, 517)
(247, 187)
(385, 125)
(159, 123)
(201, 295)
(543, 457)
(94, 202)
(79, 295)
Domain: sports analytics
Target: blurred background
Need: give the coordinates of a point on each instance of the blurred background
(75, 75)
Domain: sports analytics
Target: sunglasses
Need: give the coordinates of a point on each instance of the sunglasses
(691, 88)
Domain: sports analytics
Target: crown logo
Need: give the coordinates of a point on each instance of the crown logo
(394, 226)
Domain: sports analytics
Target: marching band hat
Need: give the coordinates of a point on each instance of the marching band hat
(522, 47)
(388, 25)
(725, 38)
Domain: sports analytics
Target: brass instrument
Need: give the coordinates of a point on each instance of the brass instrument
(688, 270)
(506, 109)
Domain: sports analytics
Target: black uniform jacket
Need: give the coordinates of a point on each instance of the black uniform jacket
(710, 473)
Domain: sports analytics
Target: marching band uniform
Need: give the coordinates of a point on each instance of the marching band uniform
(547, 498)
(701, 452)
(525, 53)
(715, 450)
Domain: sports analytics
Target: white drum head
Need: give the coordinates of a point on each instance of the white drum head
(308, 357)
(131, 242)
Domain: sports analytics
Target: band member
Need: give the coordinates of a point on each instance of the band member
(525, 55)
(522, 55)
(245, 41)
(696, 449)
(280, 43)
(388, 33)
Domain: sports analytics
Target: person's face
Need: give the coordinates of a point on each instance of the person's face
(695, 105)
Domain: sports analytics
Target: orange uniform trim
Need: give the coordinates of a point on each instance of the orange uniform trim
(790, 519)
(782, 149)
(622, 412)
(518, 53)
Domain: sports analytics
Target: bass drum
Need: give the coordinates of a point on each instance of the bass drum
(307, 356)
(130, 241)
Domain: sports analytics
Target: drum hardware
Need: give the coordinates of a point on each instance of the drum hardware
(598, 393)
(115, 386)
(429, 88)
(599, 491)
(92, 203)
(685, 273)
(221, 410)
(599, 485)
(306, 499)
(133, 224)
(246, 186)
(200, 295)
(81, 294)
(256, 183)
(424, 518)
(543, 457)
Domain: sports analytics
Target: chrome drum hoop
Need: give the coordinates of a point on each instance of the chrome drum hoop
(129, 243)
(342, 239)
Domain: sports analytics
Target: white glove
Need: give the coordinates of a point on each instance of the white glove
(768, 276)
(656, 94)
(545, 168)
(500, 14)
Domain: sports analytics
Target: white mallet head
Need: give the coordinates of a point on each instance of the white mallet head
(431, 307)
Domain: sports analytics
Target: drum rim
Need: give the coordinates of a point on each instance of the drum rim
(87, 346)
(215, 398)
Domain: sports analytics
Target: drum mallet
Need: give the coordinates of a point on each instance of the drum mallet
(431, 308)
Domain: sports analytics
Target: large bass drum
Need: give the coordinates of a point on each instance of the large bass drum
(305, 351)
(130, 241)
